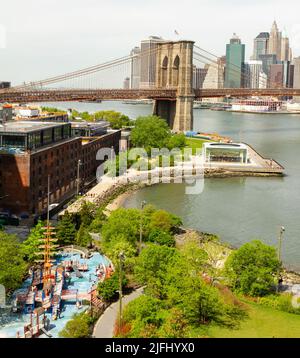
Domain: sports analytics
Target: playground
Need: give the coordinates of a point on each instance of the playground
(47, 300)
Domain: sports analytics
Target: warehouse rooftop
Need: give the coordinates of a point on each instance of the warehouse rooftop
(26, 126)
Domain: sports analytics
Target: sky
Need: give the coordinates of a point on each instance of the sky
(41, 38)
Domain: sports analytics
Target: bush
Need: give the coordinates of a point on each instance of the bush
(279, 302)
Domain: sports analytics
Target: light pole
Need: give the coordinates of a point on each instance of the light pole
(281, 231)
(143, 203)
(78, 177)
(121, 259)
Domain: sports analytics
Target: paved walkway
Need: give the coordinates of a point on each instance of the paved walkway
(104, 328)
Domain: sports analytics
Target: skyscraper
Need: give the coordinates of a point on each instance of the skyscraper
(235, 58)
(126, 83)
(260, 45)
(296, 63)
(215, 74)
(267, 61)
(199, 75)
(274, 47)
(135, 68)
(276, 77)
(253, 70)
(285, 49)
(148, 61)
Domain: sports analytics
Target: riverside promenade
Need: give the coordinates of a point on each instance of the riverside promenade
(195, 167)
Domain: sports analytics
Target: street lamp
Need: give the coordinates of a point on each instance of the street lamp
(79, 163)
(281, 231)
(143, 203)
(121, 260)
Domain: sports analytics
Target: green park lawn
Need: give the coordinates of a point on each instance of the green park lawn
(263, 322)
(194, 143)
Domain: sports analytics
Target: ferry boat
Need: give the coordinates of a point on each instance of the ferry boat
(256, 106)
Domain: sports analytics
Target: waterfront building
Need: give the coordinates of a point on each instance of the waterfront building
(89, 129)
(30, 151)
(260, 46)
(199, 75)
(215, 74)
(274, 45)
(126, 83)
(148, 61)
(135, 68)
(235, 59)
(225, 153)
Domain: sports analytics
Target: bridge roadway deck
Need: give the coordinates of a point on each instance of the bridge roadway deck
(169, 94)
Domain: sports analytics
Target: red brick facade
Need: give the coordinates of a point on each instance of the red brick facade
(24, 177)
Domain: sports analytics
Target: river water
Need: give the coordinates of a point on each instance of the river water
(236, 209)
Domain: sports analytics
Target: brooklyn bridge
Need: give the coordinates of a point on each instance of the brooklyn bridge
(173, 92)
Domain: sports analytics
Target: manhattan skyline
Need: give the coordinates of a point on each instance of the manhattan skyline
(55, 38)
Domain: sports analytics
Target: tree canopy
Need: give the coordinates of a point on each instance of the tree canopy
(31, 245)
(150, 132)
(252, 268)
(12, 265)
(66, 231)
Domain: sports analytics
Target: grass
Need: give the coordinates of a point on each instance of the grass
(195, 143)
(263, 322)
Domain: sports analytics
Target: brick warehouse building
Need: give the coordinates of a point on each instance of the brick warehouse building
(30, 151)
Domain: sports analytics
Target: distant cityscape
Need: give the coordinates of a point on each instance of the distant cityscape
(270, 65)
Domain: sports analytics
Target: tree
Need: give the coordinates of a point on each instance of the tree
(108, 289)
(31, 245)
(122, 225)
(177, 141)
(86, 213)
(117, 120)
(150, 132)
(128, 250)
(77, 327)
(252, 268)
(161, 220)
(83, 238)
(12, 265)
(175, 325)
(161, 237)
(66, 231)
(152, 266)
(143, 313)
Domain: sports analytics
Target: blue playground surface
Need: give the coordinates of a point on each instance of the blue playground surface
(11, 323)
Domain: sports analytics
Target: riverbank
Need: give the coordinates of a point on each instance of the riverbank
(219, 251)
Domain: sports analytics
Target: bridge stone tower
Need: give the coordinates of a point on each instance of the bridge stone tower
(174, 69)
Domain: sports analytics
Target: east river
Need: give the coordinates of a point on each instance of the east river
(236, 209)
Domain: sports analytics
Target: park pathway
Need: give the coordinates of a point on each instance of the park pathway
(104, 327)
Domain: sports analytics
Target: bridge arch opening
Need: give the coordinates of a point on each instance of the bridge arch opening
(175, 71)
(164, 69)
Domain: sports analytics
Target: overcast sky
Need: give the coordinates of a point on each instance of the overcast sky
(49, 37)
